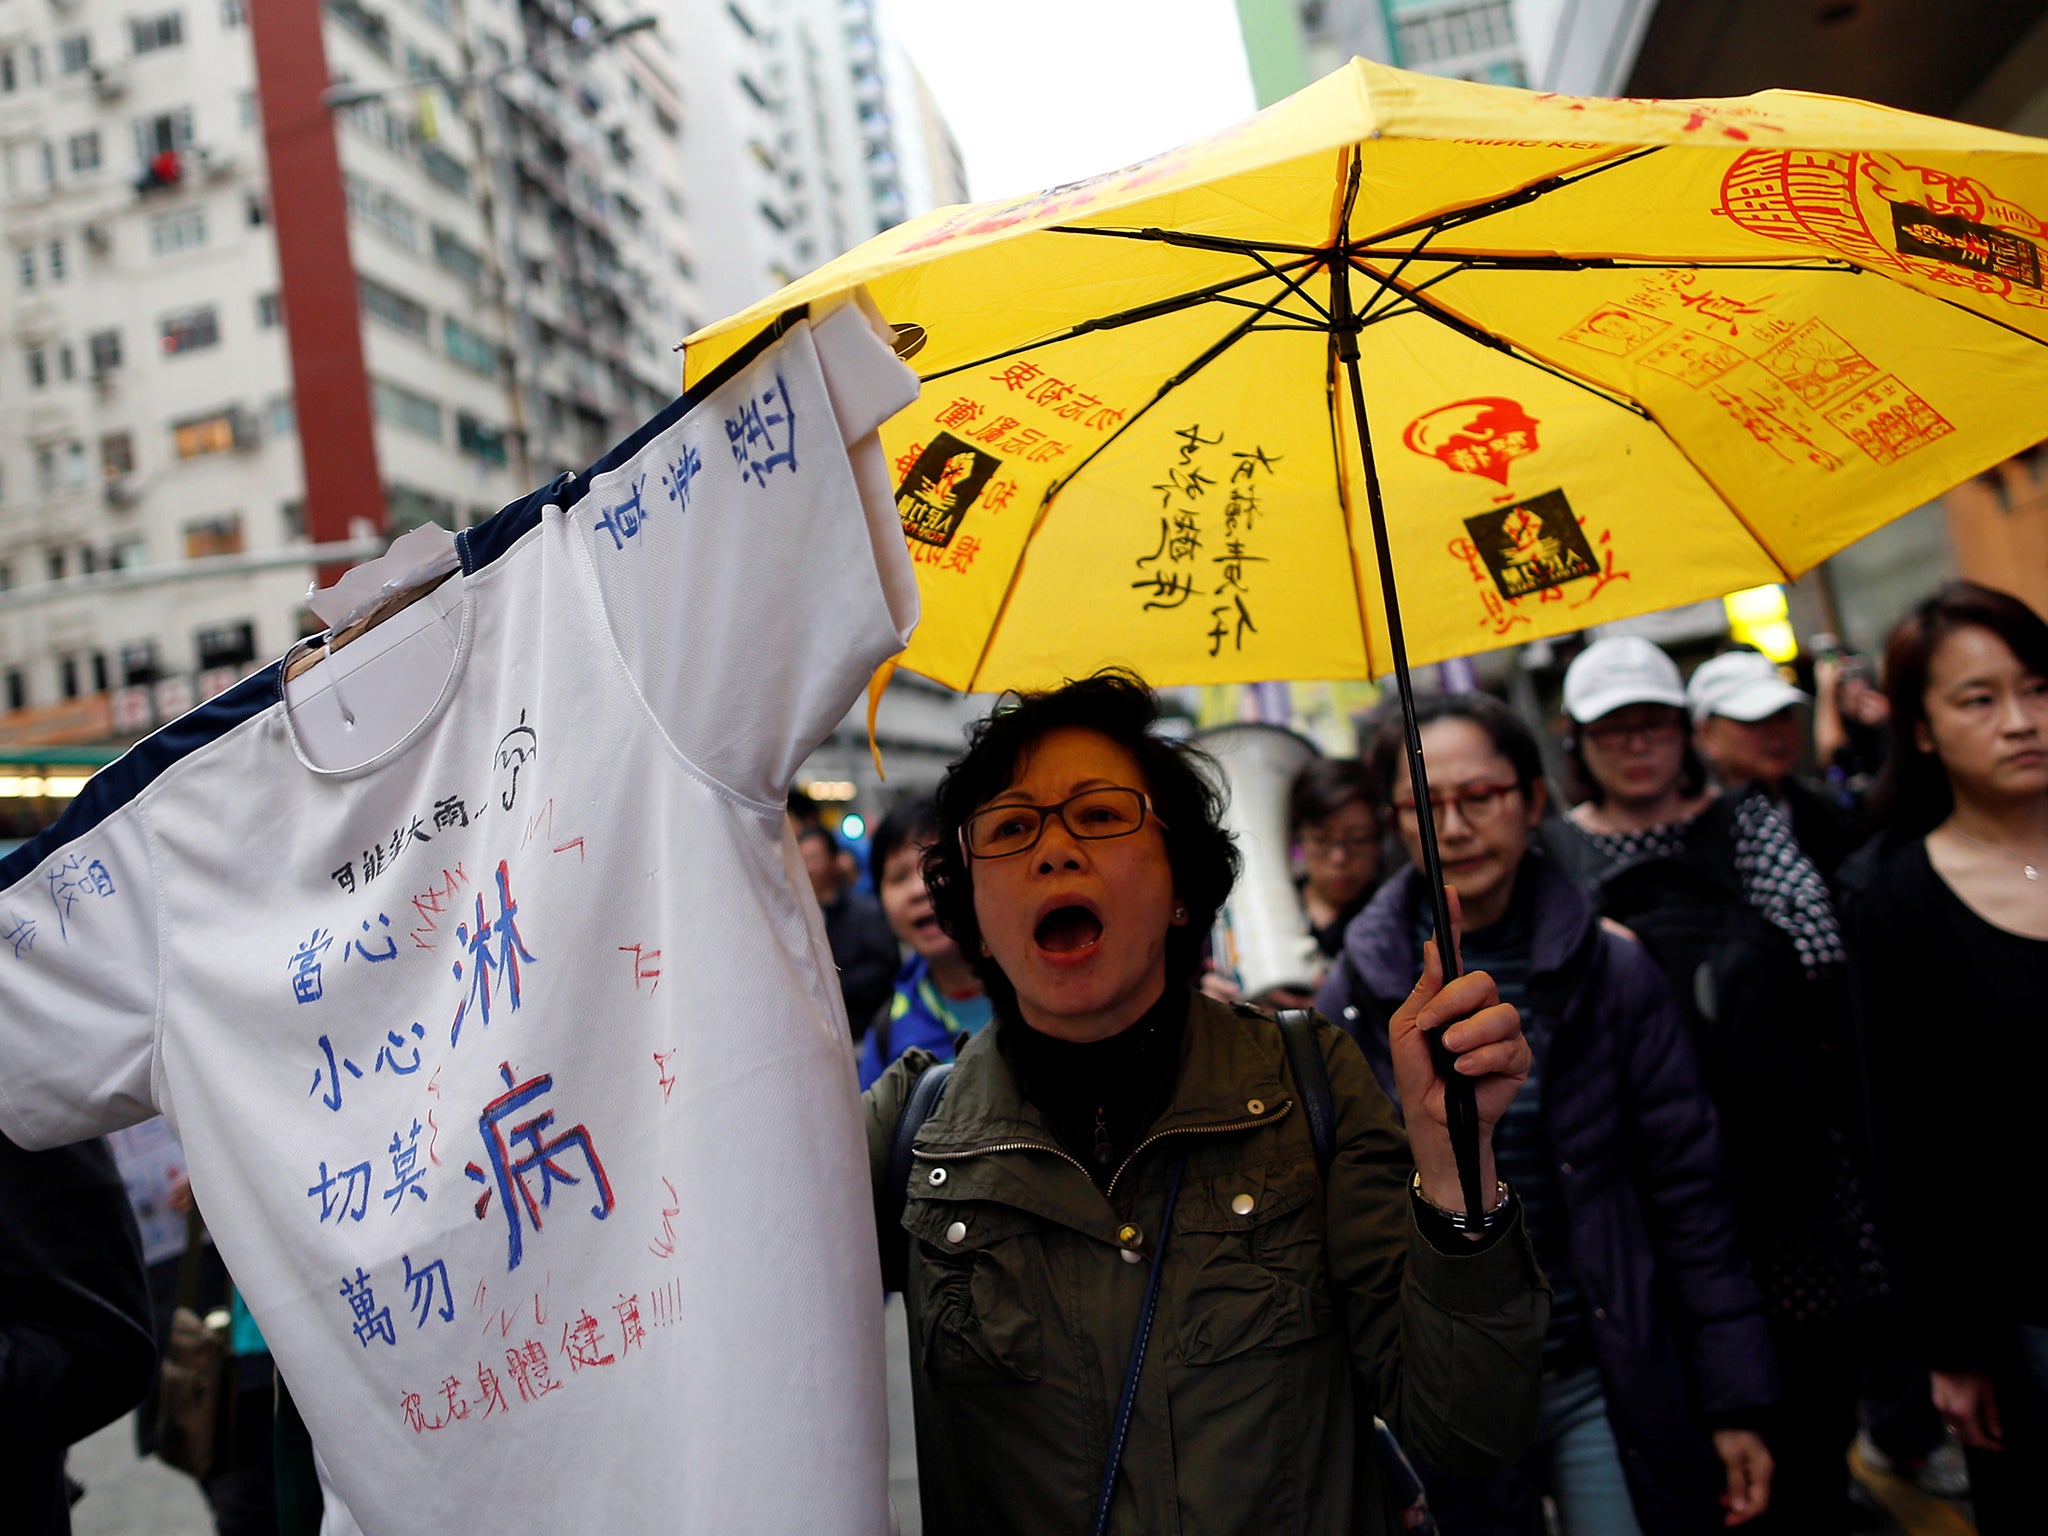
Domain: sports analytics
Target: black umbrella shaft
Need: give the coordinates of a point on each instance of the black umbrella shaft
(1461, 1110)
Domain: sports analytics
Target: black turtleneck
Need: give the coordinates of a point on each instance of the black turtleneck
(1100, 1098)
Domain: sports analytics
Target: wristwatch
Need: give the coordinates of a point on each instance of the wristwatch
(1473, 1222)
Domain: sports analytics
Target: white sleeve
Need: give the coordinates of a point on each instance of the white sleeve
(750, 558)
(78, 982)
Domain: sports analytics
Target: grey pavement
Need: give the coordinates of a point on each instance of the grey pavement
(128, 1495)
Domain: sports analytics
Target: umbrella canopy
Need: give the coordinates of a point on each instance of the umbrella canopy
(1413, 367)
(1612, 356)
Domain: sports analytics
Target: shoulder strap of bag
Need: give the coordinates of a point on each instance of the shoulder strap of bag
(919, 1106)
(1312, 1081)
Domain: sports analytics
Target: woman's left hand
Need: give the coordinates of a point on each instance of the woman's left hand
(1749, 1467)
(1486, 1035)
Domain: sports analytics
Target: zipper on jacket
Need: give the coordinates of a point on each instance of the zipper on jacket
(1067, 1157)
(1194, 1130)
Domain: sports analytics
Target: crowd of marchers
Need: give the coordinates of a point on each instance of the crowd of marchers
(1748, 1057)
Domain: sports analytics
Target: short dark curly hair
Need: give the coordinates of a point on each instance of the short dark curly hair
(1185, 785)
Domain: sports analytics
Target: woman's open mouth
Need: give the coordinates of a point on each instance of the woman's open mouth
(1068, 932)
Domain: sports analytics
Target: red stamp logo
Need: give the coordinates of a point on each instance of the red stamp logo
(1482, 436)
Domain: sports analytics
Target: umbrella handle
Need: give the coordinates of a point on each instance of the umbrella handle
(1461, 1106)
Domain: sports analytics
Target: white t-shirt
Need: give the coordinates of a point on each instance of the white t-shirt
(510, 1061)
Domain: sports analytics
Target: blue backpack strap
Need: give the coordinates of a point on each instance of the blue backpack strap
(1311, 1081)
(921, 1104)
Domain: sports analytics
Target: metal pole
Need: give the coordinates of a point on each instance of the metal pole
(1461, 1109)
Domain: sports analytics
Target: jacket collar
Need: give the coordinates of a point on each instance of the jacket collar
(1229, 1061)
(1384, 951)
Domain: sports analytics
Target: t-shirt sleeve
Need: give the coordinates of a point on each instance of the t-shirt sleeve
(78, 983)
(749, 556)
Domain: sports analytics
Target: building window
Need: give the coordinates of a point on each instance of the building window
(393, 308)
(54, 564)
(7, 72)
(207, 537)
(166, 133)
(74, 54)
(390, 216)
(104, 348)
(56, 261)
(470, 348)
(17, 689)
(233, 13)
(204, 434)
(403, 407)
(445, 168)
(147, 34)
(182, 229)
(268, 312)
(228, 645)
(117, 456)
(74, 466)
(191, 329)
(67, 366)
(27, 260)
(283, 418)
(457, 257)
(38, 368)
(46, 468)
(245, 110)
(67, 676)
(139, 664)
(475, 437)
(367, 24)
(85, 151)
(406, 508)
(254, 210)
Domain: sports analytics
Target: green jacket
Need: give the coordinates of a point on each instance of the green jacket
(1022, 1308)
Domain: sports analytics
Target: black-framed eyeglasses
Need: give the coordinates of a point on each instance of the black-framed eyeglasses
(1093, 815)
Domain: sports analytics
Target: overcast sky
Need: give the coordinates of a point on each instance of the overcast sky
(1040, 92)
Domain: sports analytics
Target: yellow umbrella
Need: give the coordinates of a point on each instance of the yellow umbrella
(1554, 360)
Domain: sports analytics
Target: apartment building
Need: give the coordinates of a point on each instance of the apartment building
(811, 132)
(178, 458)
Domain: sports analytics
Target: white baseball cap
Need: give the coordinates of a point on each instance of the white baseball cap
(1740, 685)
(1617, 671)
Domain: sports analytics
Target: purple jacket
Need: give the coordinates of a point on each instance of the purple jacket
(1678, 1327)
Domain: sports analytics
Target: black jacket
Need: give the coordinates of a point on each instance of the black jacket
(1678, 1330)
(76, 1351)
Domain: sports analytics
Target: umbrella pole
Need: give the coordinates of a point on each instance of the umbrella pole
(1461, 1110)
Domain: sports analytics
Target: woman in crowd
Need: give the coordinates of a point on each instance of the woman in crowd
(1734, 908)
(1330, 817)
(1948, 929)
(939, 1001)
(1644, 784)
(1118, 1147)
(1657, 1362)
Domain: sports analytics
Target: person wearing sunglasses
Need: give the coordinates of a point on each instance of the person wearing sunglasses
(1133, 1291)
(1657, 1359)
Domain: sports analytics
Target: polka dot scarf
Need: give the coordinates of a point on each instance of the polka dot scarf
(1780, 882)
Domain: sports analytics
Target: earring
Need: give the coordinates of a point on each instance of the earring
(1180, 914)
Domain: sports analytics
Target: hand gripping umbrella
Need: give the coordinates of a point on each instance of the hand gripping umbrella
(1404, 368)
